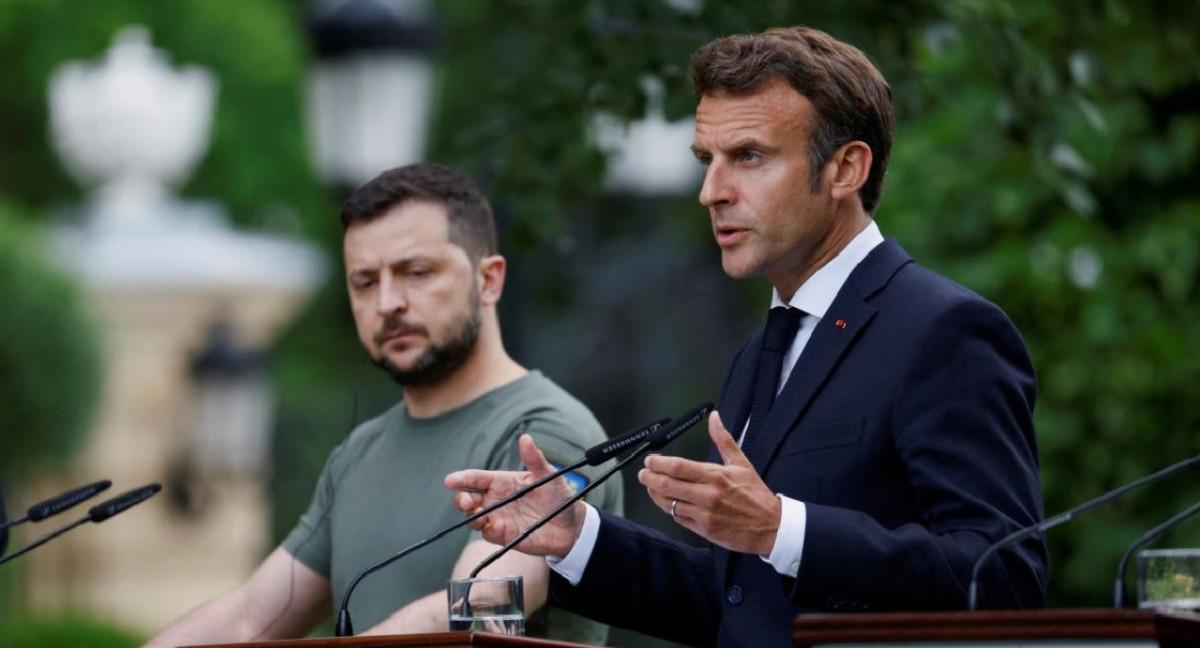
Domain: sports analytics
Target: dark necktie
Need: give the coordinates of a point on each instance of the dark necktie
(782, 324)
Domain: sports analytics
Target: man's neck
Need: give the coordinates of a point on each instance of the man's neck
(488, 368)
(849, 226)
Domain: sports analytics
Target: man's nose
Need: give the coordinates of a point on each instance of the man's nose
(392, 296)
(716, 189)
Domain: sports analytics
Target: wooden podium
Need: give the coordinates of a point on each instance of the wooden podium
(1002, 627)
(1077, 628)
(439, 640)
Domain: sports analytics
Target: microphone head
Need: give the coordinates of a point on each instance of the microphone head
(680, 425)
(105, 510)
(601, 453)
(60, 503)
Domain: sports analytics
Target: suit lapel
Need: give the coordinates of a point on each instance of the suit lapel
(848, 316)
(735, 402)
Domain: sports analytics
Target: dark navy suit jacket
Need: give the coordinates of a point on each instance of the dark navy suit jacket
(906, 428)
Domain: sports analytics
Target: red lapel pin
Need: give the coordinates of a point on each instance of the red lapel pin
(840, 323)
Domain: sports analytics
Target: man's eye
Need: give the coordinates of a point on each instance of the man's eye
(750, 156)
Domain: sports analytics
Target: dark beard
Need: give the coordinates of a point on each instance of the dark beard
(437, 362)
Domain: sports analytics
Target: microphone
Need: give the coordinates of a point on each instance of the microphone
(593, 456)
(602, 452)
(680, 425)
(58, 503)
(97, 513)
(1066, 516)
(656, 441)
(1149, 536)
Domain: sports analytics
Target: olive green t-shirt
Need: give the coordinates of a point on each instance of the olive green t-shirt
(382, 490)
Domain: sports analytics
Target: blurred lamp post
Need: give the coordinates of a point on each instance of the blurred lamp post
(371, 89)
(231, 418)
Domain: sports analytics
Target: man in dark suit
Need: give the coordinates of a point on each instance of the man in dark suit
(873, 440)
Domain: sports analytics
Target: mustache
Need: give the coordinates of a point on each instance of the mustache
(397, 326)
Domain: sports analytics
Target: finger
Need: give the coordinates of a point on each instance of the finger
(727, 447)
(663, 489)
(467, 502)
(533, 458)
(680, 468)
(468, 480)
(677, 508)
(499, 532)
(680, 512)
(663, 502)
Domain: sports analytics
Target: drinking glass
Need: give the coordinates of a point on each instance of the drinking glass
(494, 604)
(1169, 579)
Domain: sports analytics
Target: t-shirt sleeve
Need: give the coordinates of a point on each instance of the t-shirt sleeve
(310, 541)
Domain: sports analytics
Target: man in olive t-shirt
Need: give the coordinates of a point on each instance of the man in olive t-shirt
(363, 509)
(424, 279)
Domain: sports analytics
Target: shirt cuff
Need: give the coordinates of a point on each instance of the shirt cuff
(572, 565)
(789, 540)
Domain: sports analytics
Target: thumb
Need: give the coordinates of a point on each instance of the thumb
(727, 447)
(533, 458)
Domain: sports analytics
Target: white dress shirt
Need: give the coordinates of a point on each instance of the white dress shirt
(813, 297)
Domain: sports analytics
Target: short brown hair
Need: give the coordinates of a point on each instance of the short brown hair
(852, 99)
(468, 214)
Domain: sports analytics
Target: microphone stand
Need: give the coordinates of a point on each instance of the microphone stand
(44, 539)
(1148, 537)
(1066, 516)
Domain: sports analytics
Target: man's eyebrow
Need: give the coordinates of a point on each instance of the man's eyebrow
(749, 143)
(416, 257)
(408, 259)
(736, 145)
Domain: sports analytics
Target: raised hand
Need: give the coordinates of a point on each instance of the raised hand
(727, 504)
(480, 488)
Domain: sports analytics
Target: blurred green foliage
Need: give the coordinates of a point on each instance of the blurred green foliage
(65, 631)
(1045, 156)
(49, 355)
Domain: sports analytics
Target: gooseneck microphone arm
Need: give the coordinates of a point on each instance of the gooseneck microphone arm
(656, 441)
(1148, 537)
(595, 455)
(97, 513)
(1050, 523)
(44, 539)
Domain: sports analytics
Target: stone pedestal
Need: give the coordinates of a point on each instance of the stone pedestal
(155, 293)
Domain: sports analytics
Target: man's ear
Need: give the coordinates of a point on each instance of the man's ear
(848, 169)
(491, 273)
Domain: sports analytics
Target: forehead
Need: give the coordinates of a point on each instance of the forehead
(414, 227)
(774, 112)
